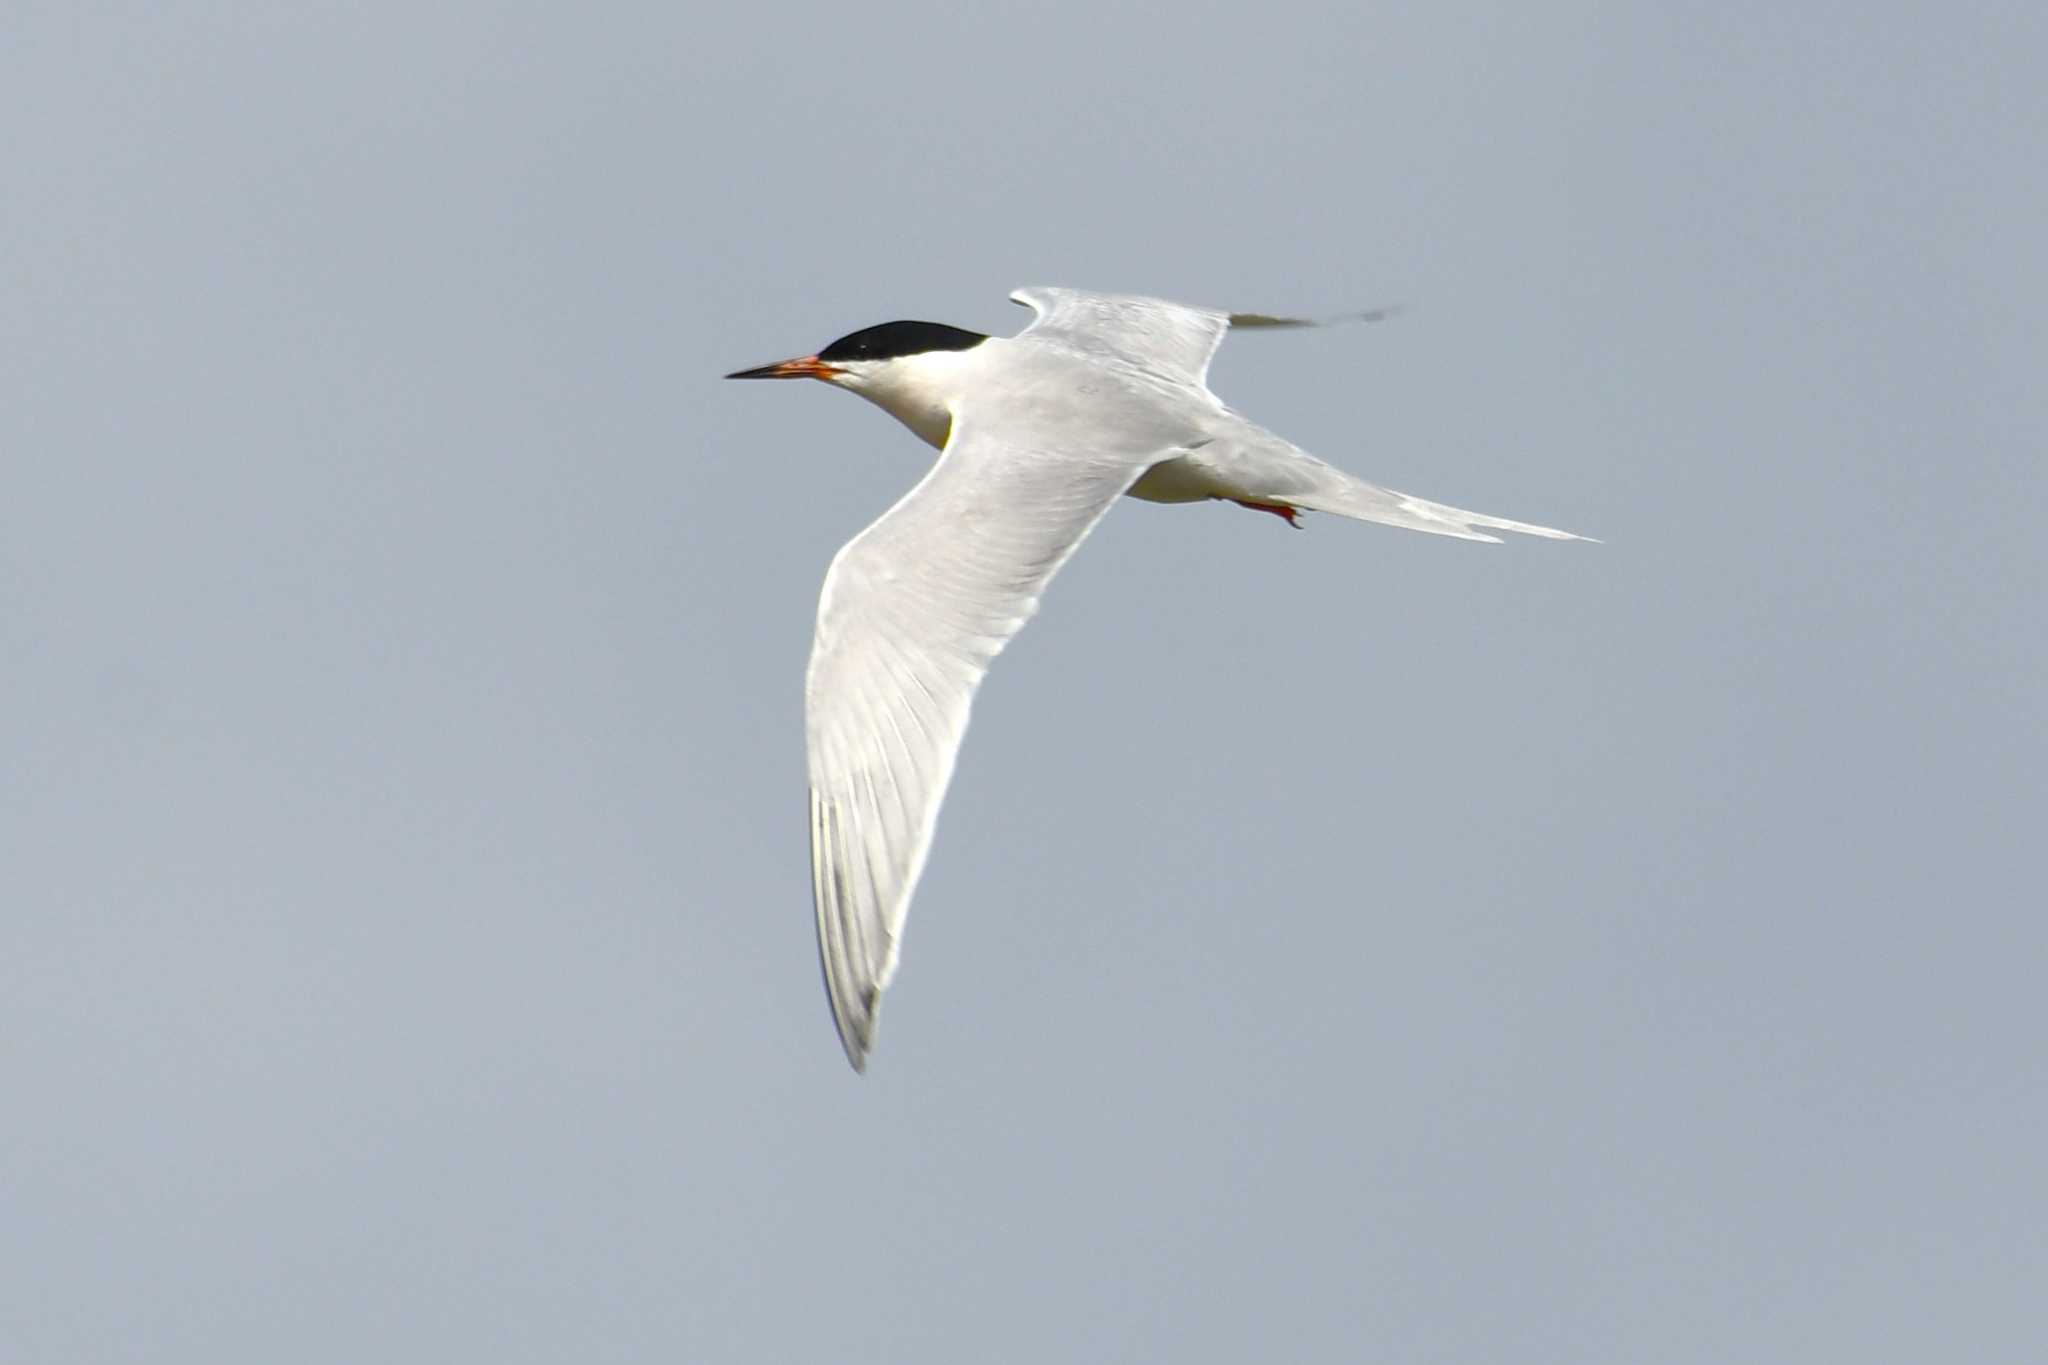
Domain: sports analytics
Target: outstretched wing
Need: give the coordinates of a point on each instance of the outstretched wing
(913, 610)
(1169, 339)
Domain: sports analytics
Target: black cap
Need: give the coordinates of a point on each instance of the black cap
(892, 339)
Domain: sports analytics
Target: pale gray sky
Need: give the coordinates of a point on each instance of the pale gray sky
(1341, 946)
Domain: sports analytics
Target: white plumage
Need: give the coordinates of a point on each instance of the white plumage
(1102, 395)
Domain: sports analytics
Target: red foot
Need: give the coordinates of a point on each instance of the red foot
(1278, 509)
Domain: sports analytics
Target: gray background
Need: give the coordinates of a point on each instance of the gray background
(1343, 945)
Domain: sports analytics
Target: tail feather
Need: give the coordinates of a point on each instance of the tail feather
(1246, 463)
(1349, 497)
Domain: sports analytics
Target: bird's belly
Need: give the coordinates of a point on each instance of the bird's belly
(1175, 480)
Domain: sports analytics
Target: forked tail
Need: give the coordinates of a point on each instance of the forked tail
(1351, 497)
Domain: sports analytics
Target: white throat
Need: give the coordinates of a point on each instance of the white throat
(917, 390)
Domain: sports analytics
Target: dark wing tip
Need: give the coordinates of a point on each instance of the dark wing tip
(854, 1004)
(857, 1027)
(853, 1013)
(1274, 321)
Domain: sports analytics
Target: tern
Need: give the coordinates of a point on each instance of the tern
(1101, 396)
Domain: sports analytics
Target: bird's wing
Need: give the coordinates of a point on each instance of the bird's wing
(913, 610)
(1169, 339)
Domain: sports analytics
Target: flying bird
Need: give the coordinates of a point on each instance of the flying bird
(1103, 395)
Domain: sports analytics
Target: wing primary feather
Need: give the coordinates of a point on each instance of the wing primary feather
(1274, 322)
(828, 893)
(911, 613)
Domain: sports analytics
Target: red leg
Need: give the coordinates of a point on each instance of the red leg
(1278, 509)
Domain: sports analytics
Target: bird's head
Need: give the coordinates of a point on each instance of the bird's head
(908, 369)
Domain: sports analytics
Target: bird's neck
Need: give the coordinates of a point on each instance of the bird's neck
(920, 391)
